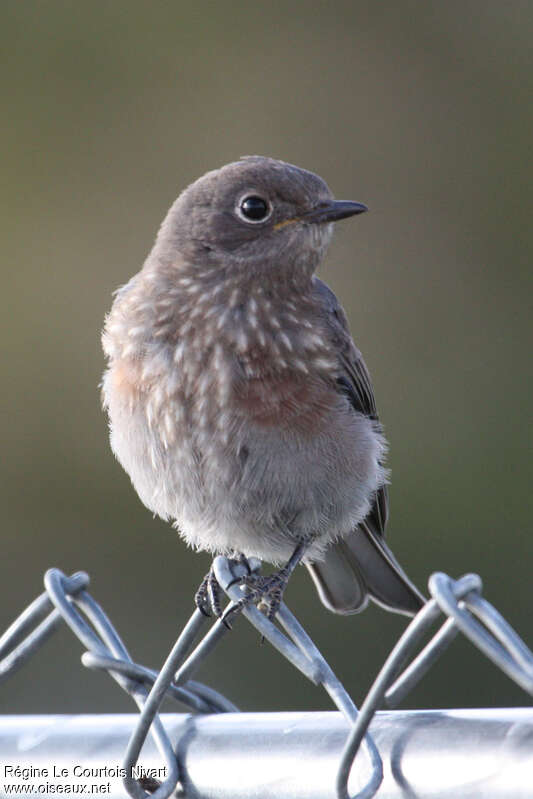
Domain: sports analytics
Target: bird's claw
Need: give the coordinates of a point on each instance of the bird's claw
(266, 592)
(207, 598)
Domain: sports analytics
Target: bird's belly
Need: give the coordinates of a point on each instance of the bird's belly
(293, 484)
(275, 468)
(259, 494)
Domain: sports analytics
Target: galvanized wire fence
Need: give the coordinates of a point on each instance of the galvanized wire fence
(456, 605)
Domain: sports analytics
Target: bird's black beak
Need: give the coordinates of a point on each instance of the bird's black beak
(333, 211)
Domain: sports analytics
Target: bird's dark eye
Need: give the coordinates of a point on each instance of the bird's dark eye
(254, 208)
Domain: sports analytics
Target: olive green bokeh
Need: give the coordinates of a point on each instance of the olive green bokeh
(421, 110)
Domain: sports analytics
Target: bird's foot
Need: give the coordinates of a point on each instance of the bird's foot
(207, 598)
(267, 591)
(209, 594)
(264, 591)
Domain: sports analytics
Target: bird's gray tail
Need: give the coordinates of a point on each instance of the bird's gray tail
(359, 567)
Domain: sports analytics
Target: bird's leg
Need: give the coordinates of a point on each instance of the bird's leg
(267, 591)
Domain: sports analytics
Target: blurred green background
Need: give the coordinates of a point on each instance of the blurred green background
(421, 110)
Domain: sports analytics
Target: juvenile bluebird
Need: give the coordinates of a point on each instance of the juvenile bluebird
(238, 403)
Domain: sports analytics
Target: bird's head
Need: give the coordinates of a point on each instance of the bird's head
(256, 214)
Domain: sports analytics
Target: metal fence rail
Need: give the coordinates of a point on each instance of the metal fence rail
(363, 761)
(466, 754)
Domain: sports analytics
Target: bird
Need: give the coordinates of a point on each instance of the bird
(237, 400)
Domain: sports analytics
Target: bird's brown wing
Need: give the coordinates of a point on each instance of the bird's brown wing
(361, 565)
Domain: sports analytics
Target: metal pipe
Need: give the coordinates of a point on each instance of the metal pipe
(439, 753)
